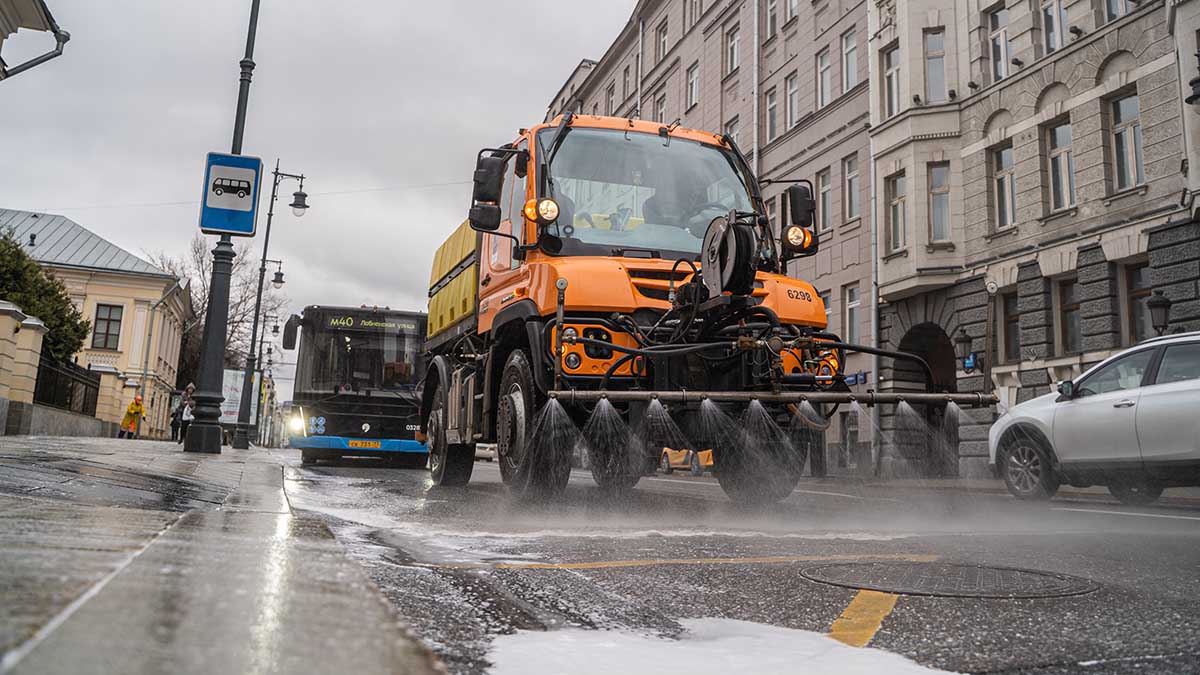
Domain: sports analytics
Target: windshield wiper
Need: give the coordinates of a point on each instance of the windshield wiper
(627, 253)
(563, 128)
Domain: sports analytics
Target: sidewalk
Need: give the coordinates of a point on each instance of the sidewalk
(132, 557)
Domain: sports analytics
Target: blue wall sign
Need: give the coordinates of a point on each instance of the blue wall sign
(229, 202)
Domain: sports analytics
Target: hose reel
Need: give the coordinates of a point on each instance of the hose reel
(727, 257)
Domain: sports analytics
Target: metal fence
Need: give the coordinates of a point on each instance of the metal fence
(67, 386)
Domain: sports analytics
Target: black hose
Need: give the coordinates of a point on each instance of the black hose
(661, 350)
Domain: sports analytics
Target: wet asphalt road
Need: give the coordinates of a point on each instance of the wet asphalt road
(465, 565)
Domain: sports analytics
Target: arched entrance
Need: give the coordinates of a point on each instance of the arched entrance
(923, 434)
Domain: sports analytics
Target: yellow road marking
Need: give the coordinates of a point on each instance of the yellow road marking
(760, 560)
(862, 618)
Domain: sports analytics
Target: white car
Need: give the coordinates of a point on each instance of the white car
(1131, 423)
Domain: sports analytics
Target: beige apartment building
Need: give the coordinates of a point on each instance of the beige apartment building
(1030, 157)
(784, 78)
(137, 312)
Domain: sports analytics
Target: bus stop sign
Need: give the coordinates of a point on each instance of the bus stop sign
(229, 202)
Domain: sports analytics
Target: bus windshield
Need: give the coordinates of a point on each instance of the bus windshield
(345, 352)
(620, 191)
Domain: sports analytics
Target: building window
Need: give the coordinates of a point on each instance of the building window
(851, 197)
(596, 109)
(660, 109)
(827, 301)
(1054, 23)
(939, 202)
(771, 211)
(610, 100)
(1062, 167)
(793, 9)
(850, 331)
(1068, 311)
(772, 18)
(824, 200)
(849, 61)
(1010, 328)
(625, 83)
(732, 42)
(935, 66)
(772, 126)
(1137, 292)
(660, 42)
(891, 81)
(1004, 187)
(896, 224)
(998, 40)
(691, 13)
(791, 85)
(824, 79)
(731, 129)
(693, 85)
(1127, 142)
(1115, 9)
(106, 334)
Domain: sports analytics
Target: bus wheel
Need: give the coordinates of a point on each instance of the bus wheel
(530, 469)
(407, 460)
(449, 463)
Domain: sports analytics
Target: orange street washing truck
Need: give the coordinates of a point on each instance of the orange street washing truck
(616, 269)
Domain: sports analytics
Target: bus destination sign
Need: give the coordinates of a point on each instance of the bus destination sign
(353, 322)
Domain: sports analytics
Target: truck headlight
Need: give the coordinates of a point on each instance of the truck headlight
(572, 360)
(544, 211)
(799, 238)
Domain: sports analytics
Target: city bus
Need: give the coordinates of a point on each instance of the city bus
(357, 391)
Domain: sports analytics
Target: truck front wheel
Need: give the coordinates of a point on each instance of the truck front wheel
(449, 463)
(526, 466)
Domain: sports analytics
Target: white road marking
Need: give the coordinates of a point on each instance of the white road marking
(1129, 513)
(797, 490)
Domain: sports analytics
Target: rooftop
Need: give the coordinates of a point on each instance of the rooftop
(59, 241)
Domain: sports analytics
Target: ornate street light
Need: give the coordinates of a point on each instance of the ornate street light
(962, 347)
(1160, 312)
(277, 281)
(299, 201)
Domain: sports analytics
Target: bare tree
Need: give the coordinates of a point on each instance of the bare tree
(194, 267)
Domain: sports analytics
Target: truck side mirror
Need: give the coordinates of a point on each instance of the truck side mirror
(801, 206)
(485, 195)
(289, 332)
(1067, 389)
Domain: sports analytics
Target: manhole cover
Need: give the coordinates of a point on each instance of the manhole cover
(949, 579)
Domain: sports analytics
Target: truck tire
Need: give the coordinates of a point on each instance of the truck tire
(527, 475)
(449, 463)
(761, 477)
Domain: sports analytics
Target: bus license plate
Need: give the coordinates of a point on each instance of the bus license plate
(364, 444)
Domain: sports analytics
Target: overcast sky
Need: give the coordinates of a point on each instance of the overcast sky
(368, 98)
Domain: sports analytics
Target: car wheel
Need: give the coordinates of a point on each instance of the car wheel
(1135, 491)
(665, 463)
(1027, 471)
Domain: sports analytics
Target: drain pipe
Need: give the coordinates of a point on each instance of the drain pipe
(877, 444)
(754, 84)
(640, 64)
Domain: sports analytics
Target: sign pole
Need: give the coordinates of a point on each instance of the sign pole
(204, 434)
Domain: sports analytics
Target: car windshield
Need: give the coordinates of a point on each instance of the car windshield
(621, 191)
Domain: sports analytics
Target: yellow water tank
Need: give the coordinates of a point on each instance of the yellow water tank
(454, 280)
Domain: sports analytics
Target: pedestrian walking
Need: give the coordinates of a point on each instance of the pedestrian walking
(185, 419)
(133, 414)
(176, 414)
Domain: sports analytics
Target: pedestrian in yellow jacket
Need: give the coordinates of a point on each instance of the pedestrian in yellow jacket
(129, 423)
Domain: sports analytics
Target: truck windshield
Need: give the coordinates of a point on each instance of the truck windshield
(620, 191)
(355, 353)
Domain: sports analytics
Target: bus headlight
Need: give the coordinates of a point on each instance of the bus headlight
(296, 424)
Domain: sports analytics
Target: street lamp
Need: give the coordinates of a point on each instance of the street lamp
(1160, 312)
(299, 200)
(962, 347)
(241, 437)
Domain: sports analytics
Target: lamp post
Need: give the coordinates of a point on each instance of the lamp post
(241, 438)
(204, 434)
(1160, 312)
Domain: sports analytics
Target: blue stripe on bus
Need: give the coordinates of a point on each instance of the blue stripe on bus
(343, 443)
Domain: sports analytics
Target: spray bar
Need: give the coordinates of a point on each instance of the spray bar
(870, 398)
